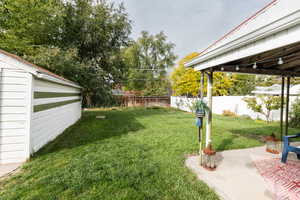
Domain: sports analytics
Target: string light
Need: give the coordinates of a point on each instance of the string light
(255, 66)
(280, 61)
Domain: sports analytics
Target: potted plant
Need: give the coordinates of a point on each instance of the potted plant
(200, 108)
(209, 158)
(272, 144)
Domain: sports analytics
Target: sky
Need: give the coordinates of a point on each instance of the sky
(192, 25)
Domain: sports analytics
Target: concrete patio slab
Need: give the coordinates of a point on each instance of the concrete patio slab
(6, 169)
(236, 177)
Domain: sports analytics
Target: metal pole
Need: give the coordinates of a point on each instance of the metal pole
(282, 107)
(209, 116)
(287, 105)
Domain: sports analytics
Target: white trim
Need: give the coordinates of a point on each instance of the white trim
(42, 101)
(56, 80)
(12, 61)
(29, 115)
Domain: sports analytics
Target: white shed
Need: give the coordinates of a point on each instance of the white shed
(35, 107)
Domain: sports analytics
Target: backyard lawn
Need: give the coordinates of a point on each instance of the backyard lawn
(133, 154)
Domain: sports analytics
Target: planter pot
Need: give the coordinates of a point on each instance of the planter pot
(272, 144)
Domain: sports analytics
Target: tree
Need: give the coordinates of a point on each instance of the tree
(79, 39)
(264, 105)
(295, 114)
(25, 25)
(266, 81)
(186, 81)
(98, 31)
(148, 60)
(244, 84)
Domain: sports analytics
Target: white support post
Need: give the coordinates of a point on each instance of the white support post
(209, 76)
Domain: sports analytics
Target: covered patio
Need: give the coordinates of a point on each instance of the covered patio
(243, 174)
(267, 43)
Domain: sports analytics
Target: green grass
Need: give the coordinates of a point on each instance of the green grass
(133, 154)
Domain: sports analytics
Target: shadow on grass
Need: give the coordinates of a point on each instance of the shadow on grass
(259, 133)
(89, 129)
(225, 144)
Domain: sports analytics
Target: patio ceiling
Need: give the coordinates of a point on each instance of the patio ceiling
(266, 43)
(267, 63)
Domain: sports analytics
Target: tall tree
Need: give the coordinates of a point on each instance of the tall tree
(244, 84)
(80, 39)
(186, 81)
(148, 60)
(26, 25)
(98, 32)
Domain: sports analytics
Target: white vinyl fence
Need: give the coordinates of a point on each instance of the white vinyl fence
(234, 104)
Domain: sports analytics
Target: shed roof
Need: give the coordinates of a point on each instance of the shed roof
(36, 70)
(270, 34)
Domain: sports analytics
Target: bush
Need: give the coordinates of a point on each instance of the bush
(228, 113)
(295, 114)
(246, 117)
(264, 104)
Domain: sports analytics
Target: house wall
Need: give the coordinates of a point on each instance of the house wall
(14, 113)
(235, 104)
(55, 108)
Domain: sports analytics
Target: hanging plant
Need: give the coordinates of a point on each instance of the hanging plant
(200, 108)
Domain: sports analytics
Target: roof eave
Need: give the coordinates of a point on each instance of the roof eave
(262, 32)
(56, 80)
(36, 70)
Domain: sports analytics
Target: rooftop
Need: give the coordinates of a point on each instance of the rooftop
(37, 69)
(266, 43)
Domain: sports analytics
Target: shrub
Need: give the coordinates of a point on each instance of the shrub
(295, 114)
(264, 105)
(228, 113)
(246, 117)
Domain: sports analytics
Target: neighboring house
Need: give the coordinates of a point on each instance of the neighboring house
(276, 90)
(35, 107)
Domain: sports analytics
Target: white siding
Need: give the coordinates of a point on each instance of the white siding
(27, 124)
(47, 124)
(14, 84)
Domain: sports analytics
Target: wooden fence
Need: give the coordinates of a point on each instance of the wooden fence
(142, 101)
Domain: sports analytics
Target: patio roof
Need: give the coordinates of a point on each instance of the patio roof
(266, 43)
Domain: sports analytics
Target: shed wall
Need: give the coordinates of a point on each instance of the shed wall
(14, 113)
(55, 108)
